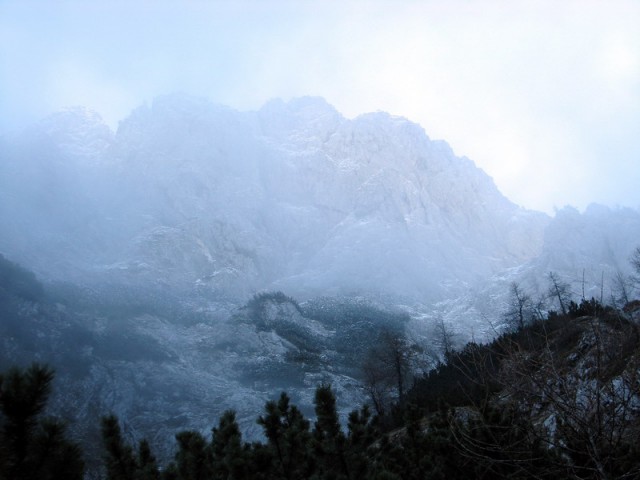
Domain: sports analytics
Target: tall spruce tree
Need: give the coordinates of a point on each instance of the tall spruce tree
(329, 441)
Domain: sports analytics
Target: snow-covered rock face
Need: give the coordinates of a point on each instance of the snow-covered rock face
(79, 133)
(293, 196)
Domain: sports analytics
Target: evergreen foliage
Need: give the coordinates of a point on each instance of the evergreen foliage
(32, 447)
(192, 460)
(120, 458)
(329, 441)
(229, 455)
(288, 436)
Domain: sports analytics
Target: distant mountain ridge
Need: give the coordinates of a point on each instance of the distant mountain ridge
(294, 196)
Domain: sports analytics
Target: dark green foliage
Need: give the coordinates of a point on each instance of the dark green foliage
(53, 456)
(493, 424)
(229, 455)
(328, 442)
(120, 459)
(147, 465)
(287, 433)
(467, 378)
(587, 308)
(499, 443)
(361, 436)
(32, 447)
(192, 460)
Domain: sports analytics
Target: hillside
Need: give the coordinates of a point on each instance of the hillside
(200, 259)
(557, 398)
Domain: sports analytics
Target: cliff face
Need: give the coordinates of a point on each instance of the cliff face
(293, 196)
(150, 240)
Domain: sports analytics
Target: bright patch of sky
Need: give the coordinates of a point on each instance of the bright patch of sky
(543, 95)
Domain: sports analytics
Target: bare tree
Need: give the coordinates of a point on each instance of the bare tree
(559, 290)
(635, 263)
(444, 337)
(398, 354)
(582, 406)
(539, 307)
(377, 383)
(520, 307)
(388, 367)
(620, 290)
(591, 411)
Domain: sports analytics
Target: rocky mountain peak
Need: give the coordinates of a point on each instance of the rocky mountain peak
(305, 122)
(78, 132)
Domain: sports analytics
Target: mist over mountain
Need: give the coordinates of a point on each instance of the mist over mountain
(150, 243)
(188, 194)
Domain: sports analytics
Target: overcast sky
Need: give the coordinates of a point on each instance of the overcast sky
(543, 95)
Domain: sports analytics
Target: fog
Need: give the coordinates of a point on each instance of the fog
(543, 96)
(205, 203)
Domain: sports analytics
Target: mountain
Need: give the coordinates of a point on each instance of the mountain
(150, 243)
(189, 195)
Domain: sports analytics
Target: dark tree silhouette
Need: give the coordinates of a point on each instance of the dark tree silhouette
(120, 459)
(32, 447)
(329, 441)
(229, 456)
(388, 367)
(559, 290)
(288, 436)
(520, 307)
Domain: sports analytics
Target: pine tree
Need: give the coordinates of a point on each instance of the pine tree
(120, 459)
(229, 456)
(30, 447)
(288, 437)
(328, 440)
(147, 464)
(193, 461)
(361, 434)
